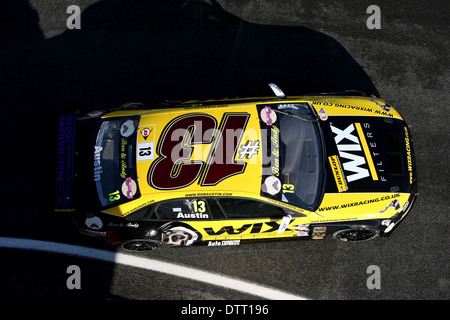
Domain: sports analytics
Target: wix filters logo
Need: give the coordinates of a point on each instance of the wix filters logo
(349, 147)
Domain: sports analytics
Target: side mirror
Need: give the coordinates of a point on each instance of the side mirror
(277, 91)
(284, 223)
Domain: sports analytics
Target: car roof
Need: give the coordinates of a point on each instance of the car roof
(196, 135)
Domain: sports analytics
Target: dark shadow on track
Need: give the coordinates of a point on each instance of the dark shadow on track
(148, 50)
(153, 50)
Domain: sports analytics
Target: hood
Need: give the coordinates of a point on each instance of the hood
(367, 154)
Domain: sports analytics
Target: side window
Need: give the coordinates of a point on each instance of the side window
(184, 209)
(247, 208)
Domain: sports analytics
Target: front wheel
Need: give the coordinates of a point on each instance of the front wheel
(356, 235)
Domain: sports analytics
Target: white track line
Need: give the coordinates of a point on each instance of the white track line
(149, 264)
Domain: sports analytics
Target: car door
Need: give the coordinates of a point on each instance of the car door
(223, 221)
(248, 219)
(185, 220)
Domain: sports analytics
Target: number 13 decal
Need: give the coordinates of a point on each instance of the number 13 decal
(174, 169)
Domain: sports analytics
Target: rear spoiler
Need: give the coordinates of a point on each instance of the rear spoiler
(65, 159)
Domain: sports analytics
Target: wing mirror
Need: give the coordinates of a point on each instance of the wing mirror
(284, 223)
(277, 91)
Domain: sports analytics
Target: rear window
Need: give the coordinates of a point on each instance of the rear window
(115, 161)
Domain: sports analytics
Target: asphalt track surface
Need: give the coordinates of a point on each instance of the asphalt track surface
(155, 50)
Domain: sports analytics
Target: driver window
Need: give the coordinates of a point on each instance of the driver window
(246, 208)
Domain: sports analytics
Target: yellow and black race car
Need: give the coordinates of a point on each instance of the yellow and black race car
(226, 172)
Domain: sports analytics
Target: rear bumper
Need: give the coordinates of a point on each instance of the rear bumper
(65, 164)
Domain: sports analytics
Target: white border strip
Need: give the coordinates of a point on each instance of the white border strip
(149, 264)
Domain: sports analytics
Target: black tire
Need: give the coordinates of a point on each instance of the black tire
(140, 245)
(356, 235)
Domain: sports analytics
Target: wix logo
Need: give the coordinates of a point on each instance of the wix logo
(348, 146)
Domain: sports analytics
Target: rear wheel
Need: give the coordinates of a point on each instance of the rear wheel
(140, 245)
(356, 235)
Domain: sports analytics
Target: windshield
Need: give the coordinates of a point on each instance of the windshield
(115, 161)
(293, 163)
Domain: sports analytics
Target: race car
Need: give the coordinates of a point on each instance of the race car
(225, 172)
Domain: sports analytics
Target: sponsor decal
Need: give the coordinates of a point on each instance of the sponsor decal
(249, 149)
(394, 204)
(209, 194)
(127, 128)
(383, 106)
(224, 243)
(268, 116)
(358, 203)
(196, 215)
(97, 163)
(179, 236)
(275, 150)
(337, 173)
(123, 158)
(350, 148)
(123, 225)
(366, 149)
(302, 230)
(288, 188)
(286, 205)
(147, 131)
(322, 115)
(114, 196)
(139, 207)
(405, 206)
(129, 188)
(408, 156)
(319, 233)
(252, 227)
(93, 222)
(145, 151)
(272, 185)
(389, 225)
